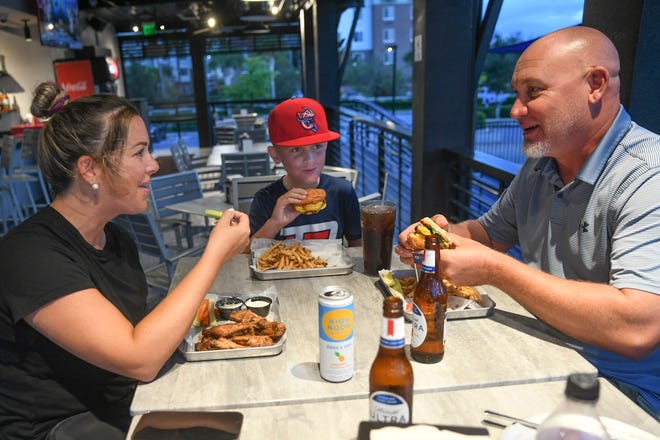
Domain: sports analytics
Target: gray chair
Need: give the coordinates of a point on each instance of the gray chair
(29, 165)
(174, 188)
(150, 243)
(350, 174)
(244, 164)
(184, 161)
(242, 189)
(9, 215)
(18, 184)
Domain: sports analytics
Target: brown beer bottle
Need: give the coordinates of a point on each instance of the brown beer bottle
(427, 344)
(391, 375)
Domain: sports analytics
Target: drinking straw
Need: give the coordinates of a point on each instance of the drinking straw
(387, 175)
(417, 260)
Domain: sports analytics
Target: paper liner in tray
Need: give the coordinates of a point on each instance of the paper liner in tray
(332, 251)
(459, 307)
(187, 346)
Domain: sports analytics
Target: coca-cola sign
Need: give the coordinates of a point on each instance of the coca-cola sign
(75, 77)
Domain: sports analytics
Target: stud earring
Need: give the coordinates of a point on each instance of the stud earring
(95, 186)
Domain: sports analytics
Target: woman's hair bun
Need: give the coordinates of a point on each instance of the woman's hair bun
(48, 99)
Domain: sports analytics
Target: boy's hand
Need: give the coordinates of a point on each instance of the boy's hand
(284, 212)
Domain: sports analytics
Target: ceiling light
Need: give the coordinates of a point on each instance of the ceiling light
(275, 9)
(211, 22)
(26, 31)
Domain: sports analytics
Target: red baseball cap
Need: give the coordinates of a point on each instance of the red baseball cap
(298, 122)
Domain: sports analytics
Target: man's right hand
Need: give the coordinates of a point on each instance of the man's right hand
(403, 249)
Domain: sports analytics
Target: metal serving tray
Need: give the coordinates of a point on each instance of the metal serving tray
(187, 346)
(332, 251)
(471, 309)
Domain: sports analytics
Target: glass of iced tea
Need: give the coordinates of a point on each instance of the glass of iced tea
(378, 219)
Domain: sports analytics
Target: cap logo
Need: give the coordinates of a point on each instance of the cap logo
(306, 119)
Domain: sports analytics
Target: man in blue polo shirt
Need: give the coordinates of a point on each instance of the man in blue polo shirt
(585, 210)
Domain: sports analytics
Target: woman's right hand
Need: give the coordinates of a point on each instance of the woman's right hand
(231, 233)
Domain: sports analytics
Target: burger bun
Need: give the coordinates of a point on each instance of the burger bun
(312, 203)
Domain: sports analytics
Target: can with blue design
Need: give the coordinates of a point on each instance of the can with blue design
(336, 351)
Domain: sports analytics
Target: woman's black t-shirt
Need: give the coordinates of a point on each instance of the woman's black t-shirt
(43, 259)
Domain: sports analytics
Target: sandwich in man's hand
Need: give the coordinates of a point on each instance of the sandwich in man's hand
(426, 227)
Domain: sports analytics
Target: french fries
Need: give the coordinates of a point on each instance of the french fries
(292, 257)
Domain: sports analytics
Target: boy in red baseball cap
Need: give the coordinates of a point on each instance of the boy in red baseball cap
(299, 133)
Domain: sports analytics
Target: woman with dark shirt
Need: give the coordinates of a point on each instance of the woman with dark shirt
(75, 334)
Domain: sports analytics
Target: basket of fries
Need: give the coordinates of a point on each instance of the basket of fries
(275, 259)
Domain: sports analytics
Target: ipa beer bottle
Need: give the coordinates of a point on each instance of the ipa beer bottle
(427, 344)
(391, 375)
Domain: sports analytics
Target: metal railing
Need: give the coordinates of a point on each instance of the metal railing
(376, 149)
(500, 138)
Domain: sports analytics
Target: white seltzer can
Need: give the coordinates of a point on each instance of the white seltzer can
(336, 351)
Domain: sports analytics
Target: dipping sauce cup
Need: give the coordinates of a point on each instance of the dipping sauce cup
(378, 219)
(259, 304)
(228, 304)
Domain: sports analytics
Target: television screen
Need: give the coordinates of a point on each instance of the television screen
(58, 23)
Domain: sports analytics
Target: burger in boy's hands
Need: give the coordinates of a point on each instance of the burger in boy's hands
(312, 203)
(426, 227)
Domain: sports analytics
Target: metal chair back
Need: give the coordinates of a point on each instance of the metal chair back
(174, 188)
(29, 163)
(242, 189)
(149, 241)
(179, 158)
(245, 164)
(349, 174)
(17, 182)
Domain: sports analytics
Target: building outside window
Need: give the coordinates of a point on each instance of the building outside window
(388, 57)
(388, 13)
(389, 36)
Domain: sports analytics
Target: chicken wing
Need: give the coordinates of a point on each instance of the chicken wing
(253, 340)
(216, 344)
(246, 316)
(227, 330)
(274, 329)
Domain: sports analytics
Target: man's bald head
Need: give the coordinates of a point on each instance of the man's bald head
(581, 47)
(567, 86)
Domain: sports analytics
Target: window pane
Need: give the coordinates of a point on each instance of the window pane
(165, 81)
